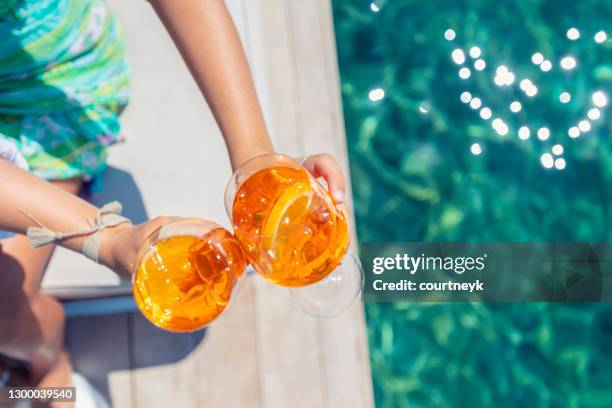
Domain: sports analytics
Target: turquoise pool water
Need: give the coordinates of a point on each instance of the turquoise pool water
(482, 121)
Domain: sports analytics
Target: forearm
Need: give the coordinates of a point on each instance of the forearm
(207, 38)
(21, 193)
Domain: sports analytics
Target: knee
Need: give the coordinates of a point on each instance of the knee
(25, 313)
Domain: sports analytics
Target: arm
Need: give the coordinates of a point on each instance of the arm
(205, 35)
(61, 211)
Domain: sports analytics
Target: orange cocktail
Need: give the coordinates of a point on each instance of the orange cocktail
(186, 275)
(287, 223)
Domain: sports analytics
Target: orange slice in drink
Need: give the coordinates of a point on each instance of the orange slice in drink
(286, 230)
(287, 211)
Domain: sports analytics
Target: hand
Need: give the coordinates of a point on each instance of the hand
(325, 166)
(119, 245)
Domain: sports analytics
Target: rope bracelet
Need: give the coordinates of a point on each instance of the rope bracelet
(106, 217)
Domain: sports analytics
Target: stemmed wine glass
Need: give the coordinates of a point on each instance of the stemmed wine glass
(187, 273)
(293, 233)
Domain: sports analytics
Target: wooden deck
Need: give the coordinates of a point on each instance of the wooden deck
(263, 352)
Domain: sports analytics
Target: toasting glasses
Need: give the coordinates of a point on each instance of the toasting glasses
(293, 233)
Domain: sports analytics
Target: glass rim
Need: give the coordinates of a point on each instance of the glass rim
(259, 156)
(147, 243)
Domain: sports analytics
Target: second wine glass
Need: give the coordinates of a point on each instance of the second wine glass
(186, 274)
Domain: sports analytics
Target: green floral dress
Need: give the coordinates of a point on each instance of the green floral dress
(63, 83)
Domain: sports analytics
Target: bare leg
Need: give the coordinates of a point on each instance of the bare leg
(31, 323)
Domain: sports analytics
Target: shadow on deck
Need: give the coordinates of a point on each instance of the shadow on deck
(102, 344)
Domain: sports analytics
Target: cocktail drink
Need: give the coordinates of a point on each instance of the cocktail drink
(289, 226)
(186, 274)
(291, 230)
